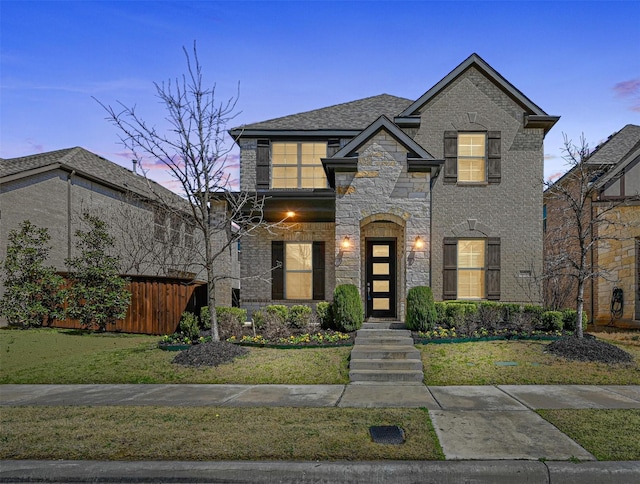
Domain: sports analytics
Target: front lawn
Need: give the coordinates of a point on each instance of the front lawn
(522, 363)
(68, 357)
(161, 433)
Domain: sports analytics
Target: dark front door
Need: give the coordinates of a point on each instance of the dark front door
(381, 278)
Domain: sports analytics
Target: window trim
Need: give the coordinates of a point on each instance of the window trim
(482, 269)
(298, 271)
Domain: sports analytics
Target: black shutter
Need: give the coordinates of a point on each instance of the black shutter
(333, 146)
(493, 156)
(493, 269)
(262, 164)
(450, 269)
(277, 273)
(318, 271)
(450, 157)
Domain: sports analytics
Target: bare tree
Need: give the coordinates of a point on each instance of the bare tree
(578, 220)
(195, 151)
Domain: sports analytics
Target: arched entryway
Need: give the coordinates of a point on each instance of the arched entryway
(382, 265)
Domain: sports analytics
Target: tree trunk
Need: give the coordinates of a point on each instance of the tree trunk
(580, 309)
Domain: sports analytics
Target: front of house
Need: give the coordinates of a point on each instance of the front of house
(390, 193)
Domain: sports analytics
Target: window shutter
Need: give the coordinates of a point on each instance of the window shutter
(450, 269)
(277, 273)
(450, 156)
(493, 269)
(262, 164)
(318, 271)
(333, 146)
(493, 156)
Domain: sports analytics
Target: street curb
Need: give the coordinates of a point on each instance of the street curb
(496, 472)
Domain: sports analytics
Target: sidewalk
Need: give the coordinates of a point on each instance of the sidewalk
(487, 433)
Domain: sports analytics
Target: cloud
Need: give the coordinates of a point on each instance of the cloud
(555, 176)
(629, 90)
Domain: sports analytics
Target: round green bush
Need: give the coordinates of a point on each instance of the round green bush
(552, 321)
(421, 312)
(348, 312)
(189, 325)
(325, 315)
(570, 317)
(299, 316)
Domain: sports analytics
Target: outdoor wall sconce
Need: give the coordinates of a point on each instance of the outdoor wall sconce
(345, 245)
(291, 214)
(418, 245)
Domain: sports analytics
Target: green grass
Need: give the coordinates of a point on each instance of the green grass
(475, 364)
(157, 433)
(68, 357)
(607, 434)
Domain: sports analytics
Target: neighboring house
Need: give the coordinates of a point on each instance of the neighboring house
(390, 193)
(53, 189)
(614, 188)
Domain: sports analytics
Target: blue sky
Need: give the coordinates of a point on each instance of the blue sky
(579, 60)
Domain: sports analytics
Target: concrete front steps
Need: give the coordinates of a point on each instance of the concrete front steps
(384, 354)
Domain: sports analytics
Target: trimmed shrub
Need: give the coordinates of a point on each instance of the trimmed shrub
(421, 311)
(348, 312)
(299, 316)
(258, 318)
(490, 314)
(552, 321)
(325, 315)
(279, 312)
(533, 315)
(230, 321)
(569, 318)
(441, 312)
(189, 326)
(512, 313)
(205, 317)
(458, 312)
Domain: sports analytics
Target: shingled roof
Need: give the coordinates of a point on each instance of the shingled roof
(354, 115)
(617, 146)
(87, 164)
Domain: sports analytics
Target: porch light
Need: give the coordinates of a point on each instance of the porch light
(346, 243)
(418, 244)
(291, 214)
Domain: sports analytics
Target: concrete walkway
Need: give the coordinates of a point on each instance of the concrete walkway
(488, 433)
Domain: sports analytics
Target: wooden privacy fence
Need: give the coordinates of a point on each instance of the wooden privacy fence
(156, 305)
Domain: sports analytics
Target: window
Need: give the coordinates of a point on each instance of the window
(298, 270)
(471, 157)
(471, 263)
(298, 267)
(159, 224)
(471, 268)
(298, 165)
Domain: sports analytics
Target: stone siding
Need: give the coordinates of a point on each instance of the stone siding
(383, 191)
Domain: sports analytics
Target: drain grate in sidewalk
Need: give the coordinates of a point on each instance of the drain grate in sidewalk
(387, 434)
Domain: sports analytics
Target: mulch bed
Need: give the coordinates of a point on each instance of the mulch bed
(588, 348)
(209, 354)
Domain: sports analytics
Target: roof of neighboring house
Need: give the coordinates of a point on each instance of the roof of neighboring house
(86, 164)
(354, 115)
(619, 149)
(617, 146)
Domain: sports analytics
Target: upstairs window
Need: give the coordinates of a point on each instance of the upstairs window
(298, 165)
(471, 158)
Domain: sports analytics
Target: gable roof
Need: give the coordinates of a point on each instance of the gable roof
(616, 146)
(86, 164)
(474, 60)
(346, 159)
(620, 150)
(350, 118)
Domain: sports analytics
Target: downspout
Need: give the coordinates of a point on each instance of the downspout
(69, 213)
(593, 316)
